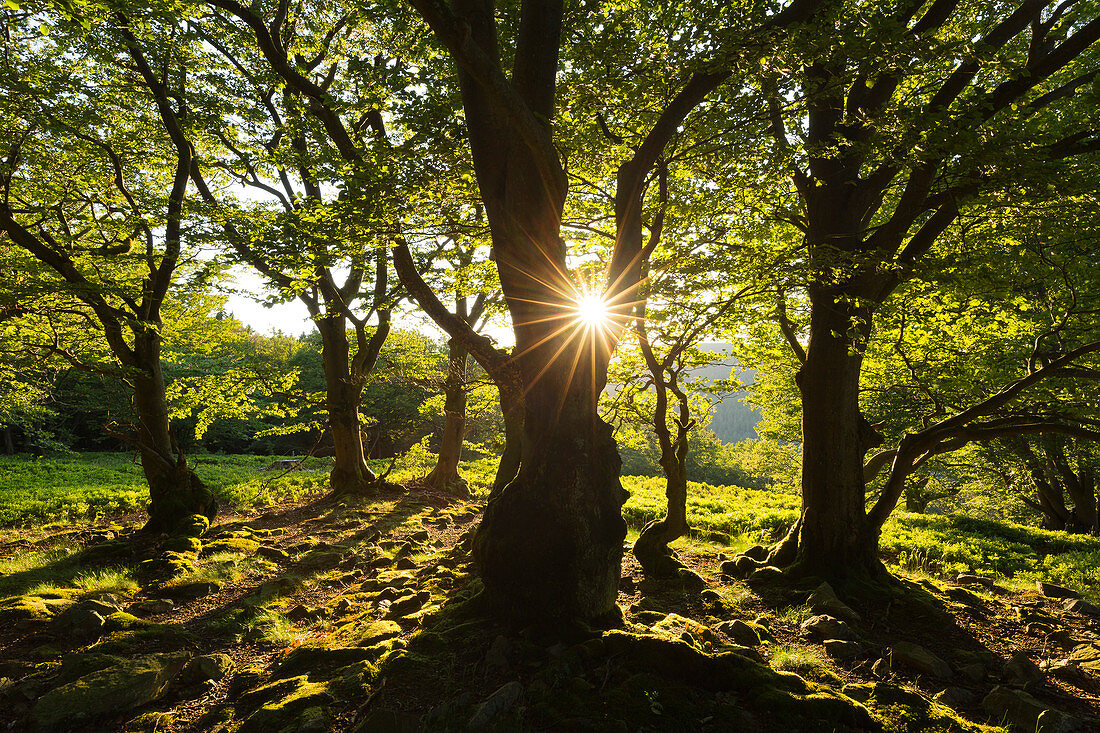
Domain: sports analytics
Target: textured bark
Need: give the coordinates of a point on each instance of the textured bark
(832, 537)
(445, 474)
(343, 390)
(175, 492)
(9, 441)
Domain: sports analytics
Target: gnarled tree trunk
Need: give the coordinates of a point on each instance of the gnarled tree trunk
(175, 492)
(445, 475)
(343, 390)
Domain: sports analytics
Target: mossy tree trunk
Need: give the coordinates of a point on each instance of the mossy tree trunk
(445, 474)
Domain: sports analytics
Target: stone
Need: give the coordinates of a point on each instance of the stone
(375, 631)
(408, 604)
(823, 599)
(307, 659)
(764, 574)
(125, 685)
(207, 667)
(26, 610)
(194, 526)
(1017, 707)
(301, 613)
(281, 704)
(1050, 590)
(827, 627)
(77, 623)
(962, 595)
(272, 553)
(1082, 607)
(1055, 721)
(969, 579)
(497, 704)
(404, 563)
(420, 535)
(956, 697)
(843, 649)
(919, 659)
(881, 668)
(1086, 656)
(1020, 671)
(974, 672)
(740, 632)
(497, 658)
(757, 552)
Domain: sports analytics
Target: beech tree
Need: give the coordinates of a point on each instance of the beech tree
(893, 127)
(95, 189)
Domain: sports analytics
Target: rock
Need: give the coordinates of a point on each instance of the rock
(404, 563)
(968, 579)
(26, 610)
(1013, 706)
(77, 623)
(919, 659)
(842, 649)
(272, 553)
(497, 704)
(962, 595)
(1055, 721)
(308, 659)
(764, 574)
(408, 604)
(757, 552)
(420, 535)
(301, 613)
(1050, 590)
(740, 632)
(207, 667)
(823, 600)
(497, 658)
(125, 685)
(1086, 656)
(974, 672)
(181, 543)
(956, 697)
(881, 668)
(155, 606)
(827, 627)
(1020, 671)
(282, 704)
(374, 632)
(1083, 607)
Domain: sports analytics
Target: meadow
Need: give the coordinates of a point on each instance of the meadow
(40, 493)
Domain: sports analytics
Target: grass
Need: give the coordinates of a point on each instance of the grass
(98, 485)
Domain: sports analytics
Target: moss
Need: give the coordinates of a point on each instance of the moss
(905, 711)
(234, 545)
(279, 704)
(23, 609)
(148, 722)
(371, 632)
(195, 525)
(183, 544)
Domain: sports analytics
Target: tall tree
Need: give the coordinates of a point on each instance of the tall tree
(95, 189)
(894, 126)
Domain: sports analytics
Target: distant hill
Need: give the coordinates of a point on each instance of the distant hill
(733, 420)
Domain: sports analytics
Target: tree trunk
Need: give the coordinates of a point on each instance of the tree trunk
(350, 473)
(511, 406)
(175, 492)
(832, 537)
(445, 475)
(651, 548)
(9, 441)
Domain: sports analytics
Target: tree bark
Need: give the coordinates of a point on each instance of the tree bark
(343, 391)
(175, 492)
(445, 475)
(832, 537)
(9, 441)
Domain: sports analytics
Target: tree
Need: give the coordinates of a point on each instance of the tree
(95, 190)
(894, 127)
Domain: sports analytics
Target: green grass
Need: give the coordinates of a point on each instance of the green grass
(96, 485)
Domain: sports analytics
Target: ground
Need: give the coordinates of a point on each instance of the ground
(315, 615)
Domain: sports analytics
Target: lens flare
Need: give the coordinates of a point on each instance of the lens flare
(593, 312)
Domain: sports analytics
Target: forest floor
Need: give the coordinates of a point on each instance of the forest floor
(317, 616)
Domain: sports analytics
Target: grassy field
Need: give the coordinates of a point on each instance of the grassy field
(101, 485)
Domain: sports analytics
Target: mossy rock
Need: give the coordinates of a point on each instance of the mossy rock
(30, 609)
(309, 659)
(281, 704)
(371, 632)
(125, 685)
(183, 544)
(234, 545)
(906, 711)
(207, 667)
(195, 525)
(169, 564)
